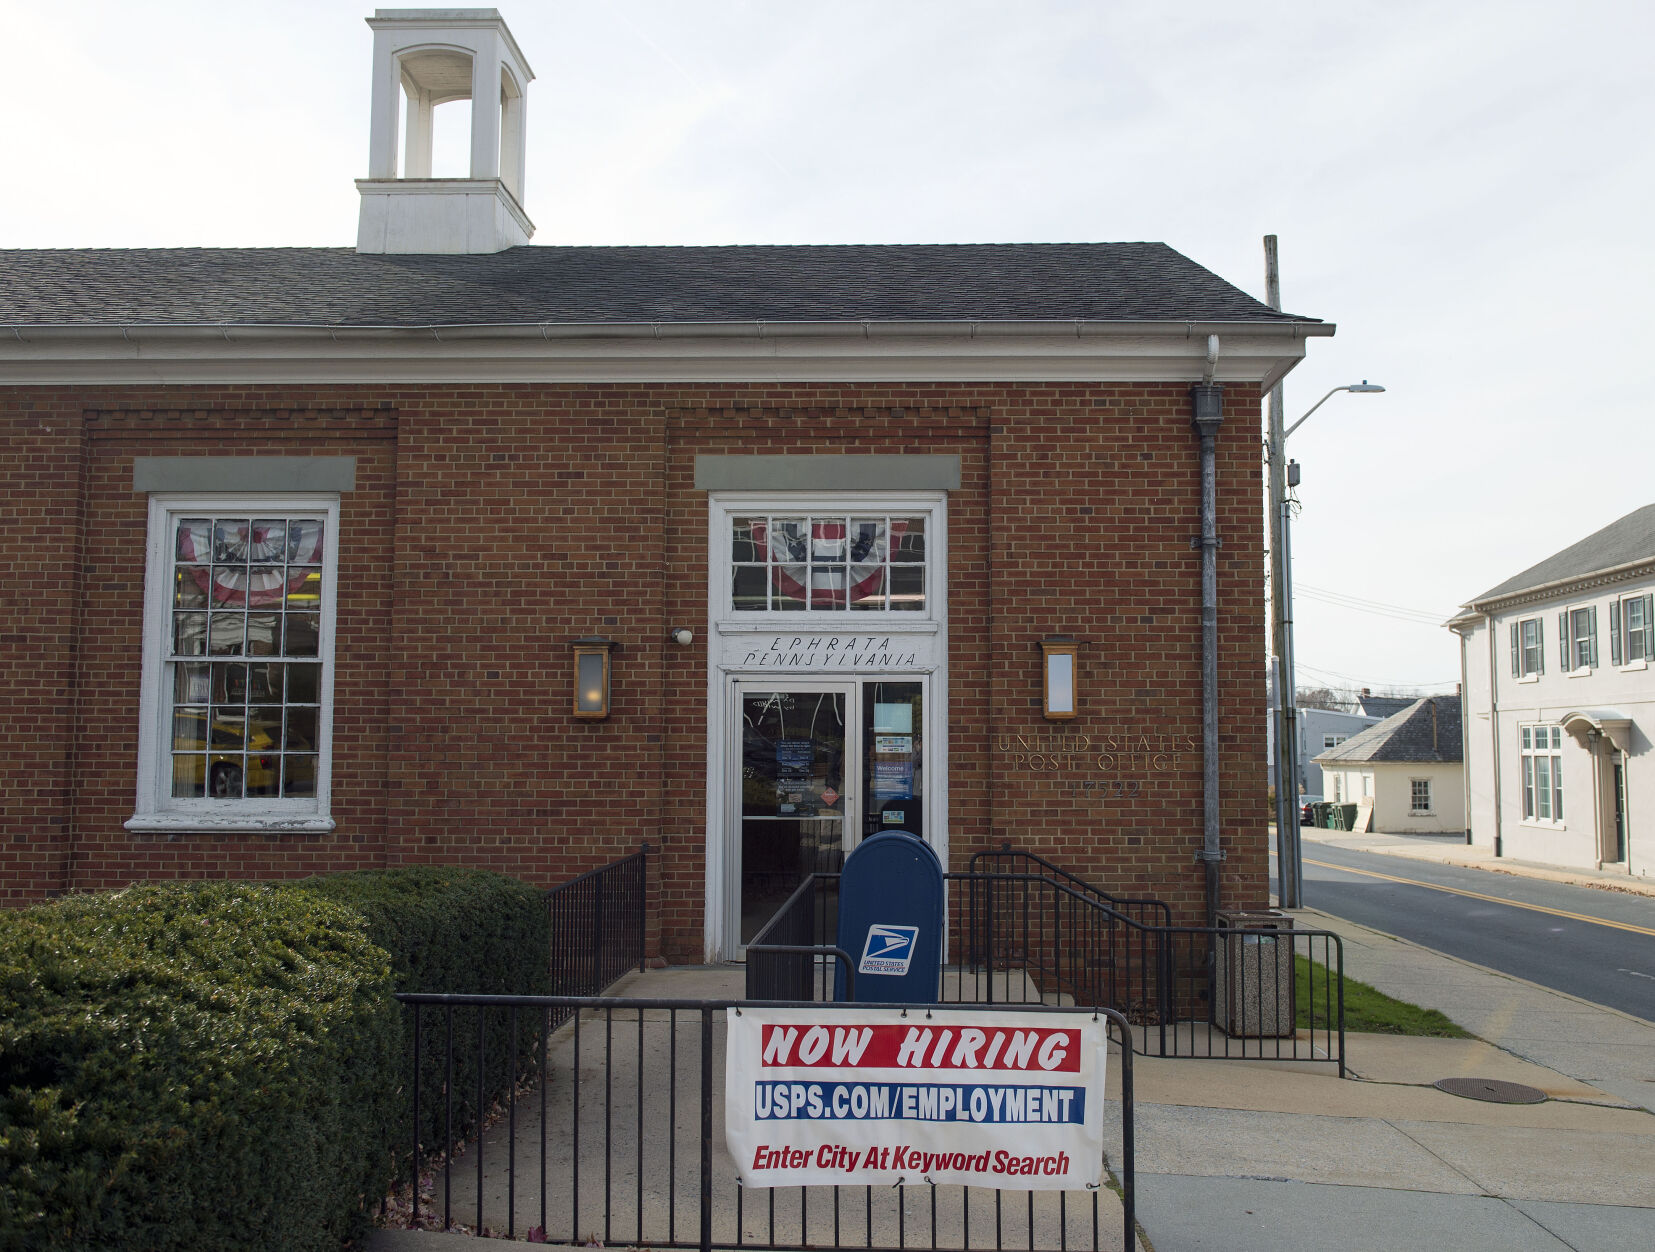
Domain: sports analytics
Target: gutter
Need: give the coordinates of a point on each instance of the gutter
(1207, 405)
(1197, 331)
(712, 352)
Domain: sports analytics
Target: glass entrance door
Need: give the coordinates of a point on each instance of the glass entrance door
(821, 766)
(794, 802)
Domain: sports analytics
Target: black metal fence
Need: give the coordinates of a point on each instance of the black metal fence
(597, 926)
(1253, 990)
(621, 1144)
(1008, 860)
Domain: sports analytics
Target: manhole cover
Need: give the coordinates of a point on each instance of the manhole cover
(1494, 1090)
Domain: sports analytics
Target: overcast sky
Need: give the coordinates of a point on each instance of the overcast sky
(1466, 189)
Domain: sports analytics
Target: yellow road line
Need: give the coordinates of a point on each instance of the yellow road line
(1477, 895)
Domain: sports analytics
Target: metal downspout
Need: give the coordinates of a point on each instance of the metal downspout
(1207, 400)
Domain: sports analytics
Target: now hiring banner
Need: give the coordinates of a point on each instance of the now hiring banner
(843, 1096)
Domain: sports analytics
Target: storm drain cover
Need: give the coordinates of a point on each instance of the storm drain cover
(1494, 1090)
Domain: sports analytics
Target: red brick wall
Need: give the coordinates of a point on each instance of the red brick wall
(492, 525)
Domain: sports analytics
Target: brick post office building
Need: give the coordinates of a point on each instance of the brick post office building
(446, 548)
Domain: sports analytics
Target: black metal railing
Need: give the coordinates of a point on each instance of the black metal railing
(1009, 860)
(622, 1145)
(792, 957)
(1224, 992)
(597, 926)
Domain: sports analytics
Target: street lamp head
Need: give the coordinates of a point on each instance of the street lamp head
(1364, 387)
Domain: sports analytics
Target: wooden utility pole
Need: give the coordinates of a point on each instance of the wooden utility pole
(1287, 755)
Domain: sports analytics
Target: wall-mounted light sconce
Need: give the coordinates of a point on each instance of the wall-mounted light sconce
(592, 676)
(1059, 679)
(681, 635)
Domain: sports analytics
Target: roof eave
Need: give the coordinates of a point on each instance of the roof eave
(1251, 352)
(1487, 606)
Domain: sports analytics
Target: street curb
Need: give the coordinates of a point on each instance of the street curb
(1626, 885)
(1481, 969)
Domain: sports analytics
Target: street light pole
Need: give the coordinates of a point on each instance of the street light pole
(1289, 866)
(1286, 794)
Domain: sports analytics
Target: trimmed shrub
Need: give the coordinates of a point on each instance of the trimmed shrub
(462, 931)
(193, 1066)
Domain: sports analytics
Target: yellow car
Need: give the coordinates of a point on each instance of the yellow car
(243, 758)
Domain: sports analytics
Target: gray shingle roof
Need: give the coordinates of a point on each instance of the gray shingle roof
(1130, 282)
(1426, 731)
(1383, 706)
(1622, 542)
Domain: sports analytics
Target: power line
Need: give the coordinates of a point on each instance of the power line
(1353, 680)
(1379, 607)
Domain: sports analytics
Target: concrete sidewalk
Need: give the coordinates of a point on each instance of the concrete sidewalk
(1246, 1156)
(1252, 1156)
(1453, 850)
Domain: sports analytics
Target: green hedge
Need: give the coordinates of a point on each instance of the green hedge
(200, 1066)
(192, 1066)
(455, 930)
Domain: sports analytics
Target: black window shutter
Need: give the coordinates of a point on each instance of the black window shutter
(1516, 653)
(1614, 632)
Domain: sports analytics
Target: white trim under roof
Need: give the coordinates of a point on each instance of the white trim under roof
(1258, 353)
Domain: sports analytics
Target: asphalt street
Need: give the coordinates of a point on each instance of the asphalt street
(1596, 944)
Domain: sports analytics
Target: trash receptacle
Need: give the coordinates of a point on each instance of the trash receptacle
(1254, 994)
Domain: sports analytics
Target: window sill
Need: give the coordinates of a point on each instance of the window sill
(228, 823)
(1529, 678)
(1579, 673)
(1540, 823)
(1633, 667)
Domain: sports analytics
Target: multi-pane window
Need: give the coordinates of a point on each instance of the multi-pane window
(1632, 630)
(1419, 795)
(1332, 741)
(244, 656)
(838, 562)
(1542, 756)
(1528, 654)
(1578, 637)
(237, 683)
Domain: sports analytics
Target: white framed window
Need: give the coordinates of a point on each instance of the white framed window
(1332, 741)
(1542, 757)
(1632, 630)
(237, 685)
(858, 560)
(1528, 649)
(1419, 795)
(1577, 637)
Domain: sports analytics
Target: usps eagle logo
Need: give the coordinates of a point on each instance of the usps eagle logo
(889, 950)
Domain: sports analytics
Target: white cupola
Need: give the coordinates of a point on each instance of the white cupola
(430, 57)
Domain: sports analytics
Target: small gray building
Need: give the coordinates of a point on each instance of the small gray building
(1317, 731)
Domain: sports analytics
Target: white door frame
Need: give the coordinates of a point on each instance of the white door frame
(816, 647)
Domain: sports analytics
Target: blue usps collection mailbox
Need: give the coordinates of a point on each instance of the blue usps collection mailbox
(890, 920)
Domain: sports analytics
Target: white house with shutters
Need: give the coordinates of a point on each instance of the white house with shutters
(1560, 705)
